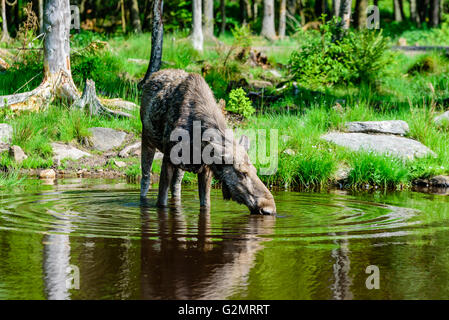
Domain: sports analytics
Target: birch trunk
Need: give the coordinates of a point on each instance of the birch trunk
(57, 80)
(282, 18)
(268, 29)
(5, 33)
(398, 11)
(197, 33)
(41, 16)
(434, 14)
(208, 28)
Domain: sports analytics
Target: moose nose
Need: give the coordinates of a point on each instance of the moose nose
(266, 211)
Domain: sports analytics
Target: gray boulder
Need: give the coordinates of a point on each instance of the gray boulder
(64, 151)
(5, 132)
(105, 139)
(4, 147)
(398, 127)
(442, 118)
(380, 143)
(17, 154)
(130, 149)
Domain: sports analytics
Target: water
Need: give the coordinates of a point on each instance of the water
(318, 247)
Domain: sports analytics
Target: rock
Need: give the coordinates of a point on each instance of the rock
(397, 127)
(275, 73)
(380, 143)
(4, 147)
(120, 164)
(440, 181)
(442, 118)
(402, 42)
(17, 154)
(64, 151)
(47, 174)
(290, 152)
(105, 139)
(128, 149)
(260, 84)
(5, 132)
(342, 173)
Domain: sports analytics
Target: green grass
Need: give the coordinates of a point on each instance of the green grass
(404, 92)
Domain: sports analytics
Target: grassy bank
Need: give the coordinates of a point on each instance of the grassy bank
(411, 88)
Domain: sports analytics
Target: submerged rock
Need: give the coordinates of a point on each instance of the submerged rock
(47, 174)
(5, 132)
(398, 127)
(440, 181)
(63, 151)
(105, 139)
(380, 143)
(17, 154)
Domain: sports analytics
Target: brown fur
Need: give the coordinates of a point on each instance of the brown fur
(174, 99)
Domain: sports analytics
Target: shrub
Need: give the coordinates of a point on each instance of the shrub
(239, 103)
(357, 57)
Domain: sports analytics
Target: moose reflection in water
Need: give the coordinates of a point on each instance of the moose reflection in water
(175, 263)
(174, 267)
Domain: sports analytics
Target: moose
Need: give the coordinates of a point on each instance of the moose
(175, 100)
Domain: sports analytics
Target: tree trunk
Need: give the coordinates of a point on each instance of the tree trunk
(135, 16)
(245, 7)
(41, 16)
(398, 10)
(157, 39)
(268, 30)
(413, 12)
(291, 6)
(434, 14)
(282, 18)
(336, 4)
(345, 18)
(197, 33)
(320, 8)
(123, 13)
(422, 6)
(360, 13)
(208, 27)
(57, 80)
(223, 16)
(5, 34)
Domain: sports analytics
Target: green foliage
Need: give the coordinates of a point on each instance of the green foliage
(357, 57)
(377, 170)
(239, 103)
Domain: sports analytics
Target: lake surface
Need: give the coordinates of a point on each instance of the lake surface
(318, 247)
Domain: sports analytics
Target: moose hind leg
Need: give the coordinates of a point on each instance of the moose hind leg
(176, 181)
(146, 163)
(204, 185)
(167, 171)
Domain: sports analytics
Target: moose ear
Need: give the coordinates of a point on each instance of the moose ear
(244, 142)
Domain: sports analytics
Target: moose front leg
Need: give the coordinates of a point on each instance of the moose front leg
(167, 171)
(176, 183)
(204, 184)
(146, 163)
